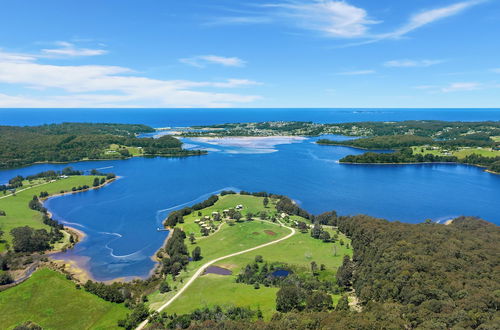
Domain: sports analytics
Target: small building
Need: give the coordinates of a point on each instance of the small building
(239, 207)
(197, 220)
(283, 215)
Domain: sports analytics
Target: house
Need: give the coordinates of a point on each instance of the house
(239, 207)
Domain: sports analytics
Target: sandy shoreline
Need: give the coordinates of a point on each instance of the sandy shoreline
(73, 267)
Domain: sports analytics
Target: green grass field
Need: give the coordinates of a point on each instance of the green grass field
(227, 240)
(250, 204)
(496, 138)
(134, 151)
(208, 290)
(16, 206)
(53, 302)
(461, 153)
(298, 251)
(485, 152)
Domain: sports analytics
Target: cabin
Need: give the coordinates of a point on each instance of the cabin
(239, 207)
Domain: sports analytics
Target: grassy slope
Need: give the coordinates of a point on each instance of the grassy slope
(251, 204)
(211, 289)
(227, 240)
(18, 212)
(53, 302)
(462, 153)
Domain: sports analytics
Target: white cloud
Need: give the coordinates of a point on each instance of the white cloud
(107, 86)
(332, 18)
(411, 63)
(357, 73)
(237, 20)
(429, 16)
(202, 60)
(461, 87)
(66, 49)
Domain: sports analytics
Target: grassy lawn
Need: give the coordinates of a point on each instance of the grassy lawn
(227, 240)
(461, 153)
(211, 289)
(298, 251)
(250, 204)
(208, 290)
(485, 152)
(134, 151)
(496, 138)
(53, 302)
(16, 206)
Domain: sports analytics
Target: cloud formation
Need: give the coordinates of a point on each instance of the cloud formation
(202, 61)
(108, 86)
(461, 87)
(339, 19)
(411, 63)
(332, 18)
(356, 73)
(67, 49)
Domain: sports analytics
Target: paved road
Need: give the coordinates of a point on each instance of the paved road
(202, 268)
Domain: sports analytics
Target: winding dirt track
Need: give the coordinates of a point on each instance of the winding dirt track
(202, 268)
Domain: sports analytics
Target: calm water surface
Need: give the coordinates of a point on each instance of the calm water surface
(121, 219)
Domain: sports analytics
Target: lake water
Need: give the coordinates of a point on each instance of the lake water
(120, 220)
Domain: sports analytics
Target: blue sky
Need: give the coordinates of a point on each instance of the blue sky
(226, 53)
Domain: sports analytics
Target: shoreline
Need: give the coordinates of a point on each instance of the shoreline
(424, 163)
(70, 266)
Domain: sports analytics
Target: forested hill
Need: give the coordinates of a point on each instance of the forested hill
(407, 276)
(81, 141)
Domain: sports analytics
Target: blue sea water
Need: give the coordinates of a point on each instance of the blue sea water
(186, 117)
(120, 220)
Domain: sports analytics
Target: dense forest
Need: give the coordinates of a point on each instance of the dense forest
(404, 155)
(405, 276)
(69, 142)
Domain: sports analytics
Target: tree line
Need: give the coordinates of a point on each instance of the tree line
(69, 142)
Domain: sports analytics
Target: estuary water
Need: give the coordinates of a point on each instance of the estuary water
(121, 219)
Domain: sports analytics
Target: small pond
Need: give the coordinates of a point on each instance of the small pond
(217, 270)
(281, 273)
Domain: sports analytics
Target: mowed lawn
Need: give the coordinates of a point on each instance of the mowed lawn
(53, 302)
(461, 153)
(485, 152)
(227, 240)
(298, 251)
(18, 212)
(210, 289)
(250, 204)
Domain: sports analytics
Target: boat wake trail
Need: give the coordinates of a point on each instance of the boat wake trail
(137, 255)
